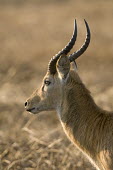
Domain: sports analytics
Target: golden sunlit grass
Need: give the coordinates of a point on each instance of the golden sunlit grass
(30, 34)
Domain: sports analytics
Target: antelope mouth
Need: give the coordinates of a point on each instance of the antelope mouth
(30, 110)
(33, 110)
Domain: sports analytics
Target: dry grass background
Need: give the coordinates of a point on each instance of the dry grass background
(31, 32)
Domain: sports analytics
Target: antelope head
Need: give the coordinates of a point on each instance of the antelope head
(49, 96)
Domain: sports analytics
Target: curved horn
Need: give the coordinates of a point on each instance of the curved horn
(66, 50)
(76, 54)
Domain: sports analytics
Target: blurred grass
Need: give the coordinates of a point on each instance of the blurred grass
(31, 32)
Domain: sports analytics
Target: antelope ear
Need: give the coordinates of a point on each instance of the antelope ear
(73, 66)
(63, 66)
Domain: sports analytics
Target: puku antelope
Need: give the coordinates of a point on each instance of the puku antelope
(89, 127)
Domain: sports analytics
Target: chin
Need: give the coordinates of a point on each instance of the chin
(35, 111)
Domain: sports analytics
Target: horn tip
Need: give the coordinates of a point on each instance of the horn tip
(74, 21)
(85, 22)
(87, 26)
(75, 26)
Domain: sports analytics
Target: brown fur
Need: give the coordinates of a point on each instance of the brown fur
(88, 127)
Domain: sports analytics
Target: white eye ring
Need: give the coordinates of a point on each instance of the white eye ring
(47, 82)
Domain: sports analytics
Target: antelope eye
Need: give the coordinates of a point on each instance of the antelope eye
(47, 82)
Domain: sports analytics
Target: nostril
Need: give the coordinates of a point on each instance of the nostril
(25, 103)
